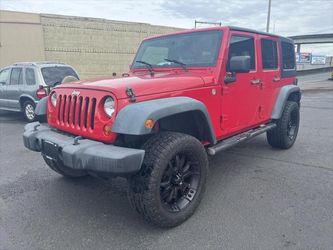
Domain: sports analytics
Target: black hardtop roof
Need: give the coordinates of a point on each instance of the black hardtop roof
(259, 32)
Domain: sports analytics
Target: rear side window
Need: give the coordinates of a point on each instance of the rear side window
(30, 76)
(4, 76)
(269, 54)
(243, 46)
(288, 55)
(16, 76)
(54, 75)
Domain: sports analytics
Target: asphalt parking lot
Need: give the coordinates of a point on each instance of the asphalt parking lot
(257, 197)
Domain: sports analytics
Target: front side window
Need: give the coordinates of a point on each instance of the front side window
(4, 76)
(30, 76)
(288, 55)
(191, 49)
(269, 54)
(243, 46)
(16, 77)
(54, 75)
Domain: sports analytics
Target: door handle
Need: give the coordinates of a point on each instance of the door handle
(276, 79)
(256, 81)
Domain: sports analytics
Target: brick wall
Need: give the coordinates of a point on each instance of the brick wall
(95, 47)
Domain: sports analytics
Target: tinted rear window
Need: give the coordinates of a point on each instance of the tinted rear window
(269, 54)
(288, 55)
(54, 75)
(30, 76)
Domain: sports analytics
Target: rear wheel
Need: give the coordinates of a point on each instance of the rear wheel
(29, 111)
(63, 170)
(172, 180)
(284, 134)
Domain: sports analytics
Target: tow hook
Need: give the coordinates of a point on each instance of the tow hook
(76, 140)
(36, 126)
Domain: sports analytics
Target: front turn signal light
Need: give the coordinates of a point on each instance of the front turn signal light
(149, 123)
(107, 129)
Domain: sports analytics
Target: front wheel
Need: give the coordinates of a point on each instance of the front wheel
(172, 180)
(284, 134)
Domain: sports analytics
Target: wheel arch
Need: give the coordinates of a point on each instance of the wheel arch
(287, 93)
(178, 114)
(24, 98)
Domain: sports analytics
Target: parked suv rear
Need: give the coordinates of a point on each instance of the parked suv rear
(22, 85)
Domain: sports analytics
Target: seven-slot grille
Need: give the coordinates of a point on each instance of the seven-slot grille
(76, 111)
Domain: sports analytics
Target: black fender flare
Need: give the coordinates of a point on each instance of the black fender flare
(41, 107)
(131, 119)
(282, 98)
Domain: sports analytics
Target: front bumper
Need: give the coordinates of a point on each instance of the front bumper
(82, 154)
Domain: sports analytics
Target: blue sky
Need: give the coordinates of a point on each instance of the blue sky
(288, 17)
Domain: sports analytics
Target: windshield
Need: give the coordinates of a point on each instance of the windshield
(54, 75)
(190, 49)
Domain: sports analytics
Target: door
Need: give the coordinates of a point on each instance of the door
(14, 88)
(269, 64)
(240, 98)
(4, 81)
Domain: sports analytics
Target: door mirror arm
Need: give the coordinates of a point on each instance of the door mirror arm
(230, 77)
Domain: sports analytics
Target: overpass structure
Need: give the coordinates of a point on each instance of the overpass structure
(311, 39)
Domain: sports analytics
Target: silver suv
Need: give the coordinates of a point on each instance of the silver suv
(22, 85)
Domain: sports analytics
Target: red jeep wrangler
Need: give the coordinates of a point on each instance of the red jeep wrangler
(187, 95)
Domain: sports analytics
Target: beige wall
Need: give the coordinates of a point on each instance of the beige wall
(21, 38)
(95, 47)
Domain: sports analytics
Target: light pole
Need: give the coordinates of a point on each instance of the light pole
(268, 15)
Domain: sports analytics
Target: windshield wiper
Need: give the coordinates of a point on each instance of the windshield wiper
(183, 65)
(149, 67)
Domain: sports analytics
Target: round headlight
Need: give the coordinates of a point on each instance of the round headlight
(109, 106)
(54, 99)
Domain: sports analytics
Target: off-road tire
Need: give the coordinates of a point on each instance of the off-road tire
(63, 170)
(145, 187)
(28, 109)
(279, 137)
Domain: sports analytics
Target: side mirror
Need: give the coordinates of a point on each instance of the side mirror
(239, 64)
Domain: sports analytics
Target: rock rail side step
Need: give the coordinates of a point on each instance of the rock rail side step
(235, 140)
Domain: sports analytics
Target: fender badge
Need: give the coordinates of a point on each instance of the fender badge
(75, 93)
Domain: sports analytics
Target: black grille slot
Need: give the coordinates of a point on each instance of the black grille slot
(80, 110)
(64, 109)
(85, 112)
(93, 107)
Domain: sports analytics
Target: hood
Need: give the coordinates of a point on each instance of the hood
(141, 85)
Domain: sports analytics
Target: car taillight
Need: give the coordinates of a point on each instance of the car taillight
(41, 93)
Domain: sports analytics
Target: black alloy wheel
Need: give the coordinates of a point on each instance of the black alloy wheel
(179, 183)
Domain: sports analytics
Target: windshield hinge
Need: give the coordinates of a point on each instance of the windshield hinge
(130, 94)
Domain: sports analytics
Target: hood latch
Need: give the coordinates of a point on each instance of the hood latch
(130, 94)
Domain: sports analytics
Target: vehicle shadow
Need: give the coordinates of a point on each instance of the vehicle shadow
(8, 116)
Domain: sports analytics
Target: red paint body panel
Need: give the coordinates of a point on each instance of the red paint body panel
(234, 107)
